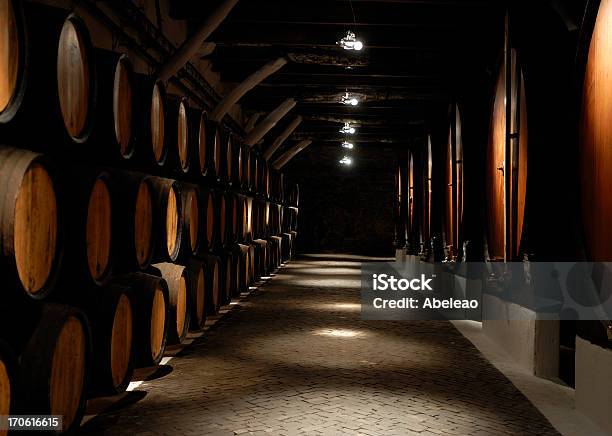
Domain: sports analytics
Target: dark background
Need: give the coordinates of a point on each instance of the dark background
(345, 209)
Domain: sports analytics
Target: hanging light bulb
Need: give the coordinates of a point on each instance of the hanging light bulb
(348, 145)
(348, 129)
(346, 161)
(349, 100)
(350, 42)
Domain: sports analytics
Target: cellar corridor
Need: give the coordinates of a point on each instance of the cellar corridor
(295, 357)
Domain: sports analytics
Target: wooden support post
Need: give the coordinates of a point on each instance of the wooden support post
(255, 135)
(282, 137)
(249, 83)
(290, 154)
(192, 44)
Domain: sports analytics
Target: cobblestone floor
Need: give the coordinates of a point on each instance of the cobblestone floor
(297, 359)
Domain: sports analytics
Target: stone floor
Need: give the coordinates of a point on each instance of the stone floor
(295, 358)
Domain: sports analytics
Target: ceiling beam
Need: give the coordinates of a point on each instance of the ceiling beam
(256, 135)
(282, 137)
(193, 44)
(290, 154)
(249, 83)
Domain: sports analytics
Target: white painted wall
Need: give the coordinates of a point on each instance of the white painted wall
(594, 383)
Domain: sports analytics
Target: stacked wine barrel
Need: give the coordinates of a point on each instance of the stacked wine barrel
(127, 218)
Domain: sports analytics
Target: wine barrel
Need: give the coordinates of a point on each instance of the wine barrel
(255, 171)
(167, 203)
(191, 213)
(197, 294)
(7, 382)
(54, 366)
(118, 109)
(134, 228)
(244, 268)
(228, 159)
(112, 320)
(30, 222)
(213, 286)
(217, 150)
(230, 273)
(247, 219)
(260, 261)
(241, 210)
(595, 137)
(88, 215)
(183, 139)
(206, 164)
(427, 194)
(228, 219)
(178, 280)
(453, 210)
(245, 165)
(11, 56)
(503, 183)
(76, 78)
(42, 79)
(149, 298)
(208, 222)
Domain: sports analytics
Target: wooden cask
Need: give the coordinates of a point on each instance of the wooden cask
(76, 78)
(244, 269)
(87, 203)
(208, 221)
(453, 197)
(212, 272)
(595, 135)
(168, 208)
(183, 136)
(134, 229)
(54, 366)
(38, 66)
(192, 216)
(245, 168)
(178, 279)
(118, 111)
(506, 186)
(228, 159)
(228, 219)
(112, 323)
(30, 222)
(149, 298)
(229, 272)
(7, 381)
(197, 294)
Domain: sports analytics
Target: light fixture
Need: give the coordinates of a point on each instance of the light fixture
(350, 42)
(347, 129)
(348, 145)
(346, 161)
(349, 100)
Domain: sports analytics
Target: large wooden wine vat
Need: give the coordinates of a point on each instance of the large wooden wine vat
(453, 185)
(596, 139)
(507, 162)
